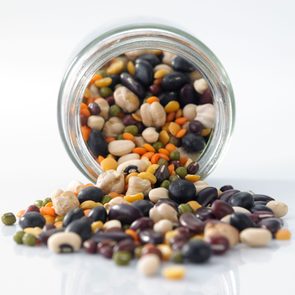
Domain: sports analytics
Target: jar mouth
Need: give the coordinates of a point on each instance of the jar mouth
(148, 36)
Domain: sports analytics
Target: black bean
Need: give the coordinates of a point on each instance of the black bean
(207, 196)
(111, 236)
(169, 202)
(181, 64)
(72, 215)
(144, 72)
(260, 207)
(204, 213)
(142, 223)
(134, 86)
(151, 58)
(196, 251)
(174, 81)
(162, 173)
(221, 209)
(272, 224)
(226, 196)
(90, 193)
(259, 197)
(81, 227)
(97, 144)
(94, 108)
(193, 223)
(241, 221)
(242, 199)
(193, 143)
(167, 97)
(193, 168)
(195, 127)
(115, 80)
(150, 236)
(32, 219)
(125, 213)
(188, 95)
(144, 206)
(226, 188)
(257, 216)
(182, 191)
(98, 214)
(219, 244)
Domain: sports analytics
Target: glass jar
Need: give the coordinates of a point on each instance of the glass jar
(134, 37)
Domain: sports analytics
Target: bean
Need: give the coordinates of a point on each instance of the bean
(241, 221)
(207, 196)
(242, 199)
(94, 108)
(256, 237)
(272, 224)
(150, 236)
(166, 97)
(162, 173)
(128, 81)
(97, 144)
(151, 249)
(260, 207)
(64, 242)
(72, 215)
(226, 196)
(92, 193)
(98, 214)
(190, 221)
(125, 245)
(144, 206)
(46, 234)
(204, 213)
(151, 58)
(279, 209)
(182, 191)
(259, 197)
(226, 188)
(221, 208)
(143, 72)
(163, 226)
(8, 218)
(181, 64)
(34, 208)
(142, 223)
(193, 143)
(148, 265)
(112, 224)
(82, 227)
(90, 246)
(196, 251)
(32, 219)
(219, 244)
(158, 193)
(116, 236)
(188, 95)
(193, 168)
(174, 81)
(125, 213)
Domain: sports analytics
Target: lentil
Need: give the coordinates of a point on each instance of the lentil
(8, 218)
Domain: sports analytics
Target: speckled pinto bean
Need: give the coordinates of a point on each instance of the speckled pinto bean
(146, 117)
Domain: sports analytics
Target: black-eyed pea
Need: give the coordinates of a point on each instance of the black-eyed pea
(64, 242)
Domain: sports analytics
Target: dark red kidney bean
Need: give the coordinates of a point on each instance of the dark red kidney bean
(151, 249)
(193, 168)
(126, 214)
(150, 236)
(182, 191)
(260, 207)
(90, 193)
(219, 244)
(242, 199)
(154, 89)
(162, 173)
(259, 215)
(110, 100)
(178, 242)
(206, 97)
(181, 64)
(184, 232)
(97, 144)
(226, 187)
(33, 208)
(196, 251)
(72, 215)
(125, 245)
(166, 97)
(207, 196)
(188, 95)
(226, 196)
(272, 224)
(83, 120)
(259, 197)
(90, 246)
(82, 227)
(32, 219)
(221, 208)
(45, 235)
(142, 224)
(193, 223)
(151, 58)
(115, 80)
(129, 120)
(98, 214)
(195, 127)
(192, 143)
(94, 108)
(112, 235)
(134, 86)
(144, 206)
(204, 213)
(106, 251)
(105, 242)
(174, 81)
(144, 72)
(241, 221)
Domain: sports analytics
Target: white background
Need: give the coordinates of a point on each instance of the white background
(255, 40)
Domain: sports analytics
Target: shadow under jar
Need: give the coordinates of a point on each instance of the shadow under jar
(158, 80)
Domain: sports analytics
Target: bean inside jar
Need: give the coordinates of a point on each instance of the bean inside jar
(149, 104)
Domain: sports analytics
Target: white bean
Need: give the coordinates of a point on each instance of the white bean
(255, 237)
(149, 264)
(121, 147)
(278, 208)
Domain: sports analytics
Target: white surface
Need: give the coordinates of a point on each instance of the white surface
(255, 40)
(242, 271)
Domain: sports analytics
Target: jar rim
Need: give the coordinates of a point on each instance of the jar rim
(132, 37)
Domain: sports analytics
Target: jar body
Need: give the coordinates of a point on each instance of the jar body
(138, 37)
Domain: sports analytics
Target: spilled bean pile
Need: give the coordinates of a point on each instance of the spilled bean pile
(146, 117)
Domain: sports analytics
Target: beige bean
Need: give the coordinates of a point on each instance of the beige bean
(226, 218)
(128, 157)
(113, 127)
(121, 147)
(278, 208)
(150, 135)
(206, 115)
(190, 111)
(238, 209)
(201, 85)
(95, 122)
(104, 107)
(126, 99)
(163, 67)
(111, 181)
(112, 224)
(256, 237)
(167, 212)
(158, 193)
(201, 184)
(163, 226)
(168, 57)
(138, 185)
(149, 264)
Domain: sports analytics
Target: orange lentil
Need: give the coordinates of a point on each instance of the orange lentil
(155, 158)
(49, 204)
(152, 99)
(170, 117)
(91, 99)
(139, 150)
(283, 234)
(108, 139)
(20, 213)
(83, 106)
(171, 168)
(86, 212)
(183, 160)
(181, 133)
(49, 219)
(132, 233)
(85, 132)
(170, 147)
(164, 156)
(149, 147)
(95, 77)
(181, 120)
(85, 112)
(148, 155)
(164, 151)
(47, 211)
(99, 159)
(128, 136)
